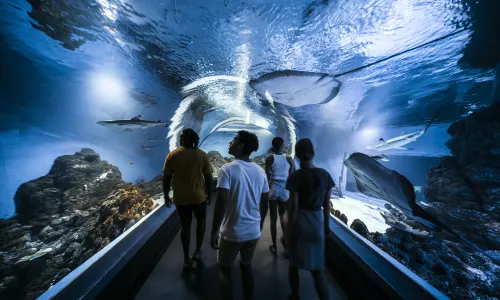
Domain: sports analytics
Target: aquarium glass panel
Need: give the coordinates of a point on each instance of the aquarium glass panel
(401, 99)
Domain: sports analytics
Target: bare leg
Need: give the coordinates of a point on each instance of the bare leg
(226, 283)
(320, 284)
(273, 205)
(248, 281)
(264, 208)
(282, 212)
(293, 279)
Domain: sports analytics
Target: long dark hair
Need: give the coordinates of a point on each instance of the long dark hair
(189, 138)
(308, 187)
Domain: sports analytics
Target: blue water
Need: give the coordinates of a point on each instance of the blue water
(65, 65)
(114, 60)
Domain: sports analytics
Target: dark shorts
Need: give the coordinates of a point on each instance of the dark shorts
(229, 250)
(186, 213)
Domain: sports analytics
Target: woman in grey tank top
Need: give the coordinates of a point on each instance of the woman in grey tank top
(278, 167)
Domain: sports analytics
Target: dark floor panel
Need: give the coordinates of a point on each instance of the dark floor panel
(271, 274)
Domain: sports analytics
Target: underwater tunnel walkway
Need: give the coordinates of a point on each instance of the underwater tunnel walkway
(168, 281)
(146, 263)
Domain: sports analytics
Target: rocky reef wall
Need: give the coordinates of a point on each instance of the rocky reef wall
(463, 191)
(65, 217)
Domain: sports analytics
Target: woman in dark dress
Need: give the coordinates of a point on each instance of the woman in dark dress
(308, 223)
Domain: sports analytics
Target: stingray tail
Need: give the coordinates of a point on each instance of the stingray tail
(432, 120)
(428, 218)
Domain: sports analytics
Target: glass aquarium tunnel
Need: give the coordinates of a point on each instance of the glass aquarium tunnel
(401, 99)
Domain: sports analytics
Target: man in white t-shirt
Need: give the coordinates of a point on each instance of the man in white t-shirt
(241, 186)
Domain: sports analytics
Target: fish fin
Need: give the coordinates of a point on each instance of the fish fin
(363, 189)
(360, 185)
(432, 120)
(382, 140)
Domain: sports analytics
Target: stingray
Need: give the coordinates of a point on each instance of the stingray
(381, 157)
(134, 123)
(375, 180)
(297, 88)
(399, 141)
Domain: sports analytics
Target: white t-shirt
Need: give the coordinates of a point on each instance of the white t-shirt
(246, 182)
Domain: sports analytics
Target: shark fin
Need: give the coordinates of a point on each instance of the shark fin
(382, 140)
(432, 120)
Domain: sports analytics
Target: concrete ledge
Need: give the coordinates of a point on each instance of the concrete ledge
(119, 270)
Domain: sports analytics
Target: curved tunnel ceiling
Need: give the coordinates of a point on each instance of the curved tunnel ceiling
(182, 42)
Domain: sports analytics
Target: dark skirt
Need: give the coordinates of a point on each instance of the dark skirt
(306, 244)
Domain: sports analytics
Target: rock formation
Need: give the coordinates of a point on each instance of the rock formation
(463, 191)
(338, 214)
(465, 188)
(63, 218)
(360, 227)
(218, 161)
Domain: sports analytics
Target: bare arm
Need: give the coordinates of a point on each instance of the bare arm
(269, 163)
(167, 179)
(208, 186)
(293, 209)
(292, 165)
(207, 174)
(264, 205)
(220, 208)
(326, 212)
(168, 172)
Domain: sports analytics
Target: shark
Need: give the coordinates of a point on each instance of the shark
(399, 141)
(134, 123)
(375, 180)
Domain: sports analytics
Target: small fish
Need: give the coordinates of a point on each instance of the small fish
(131, 163)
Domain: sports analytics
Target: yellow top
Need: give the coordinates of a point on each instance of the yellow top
(188, 165)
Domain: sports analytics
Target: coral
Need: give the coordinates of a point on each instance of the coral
(65, 217)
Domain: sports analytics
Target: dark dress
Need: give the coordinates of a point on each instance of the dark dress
(306, 244)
